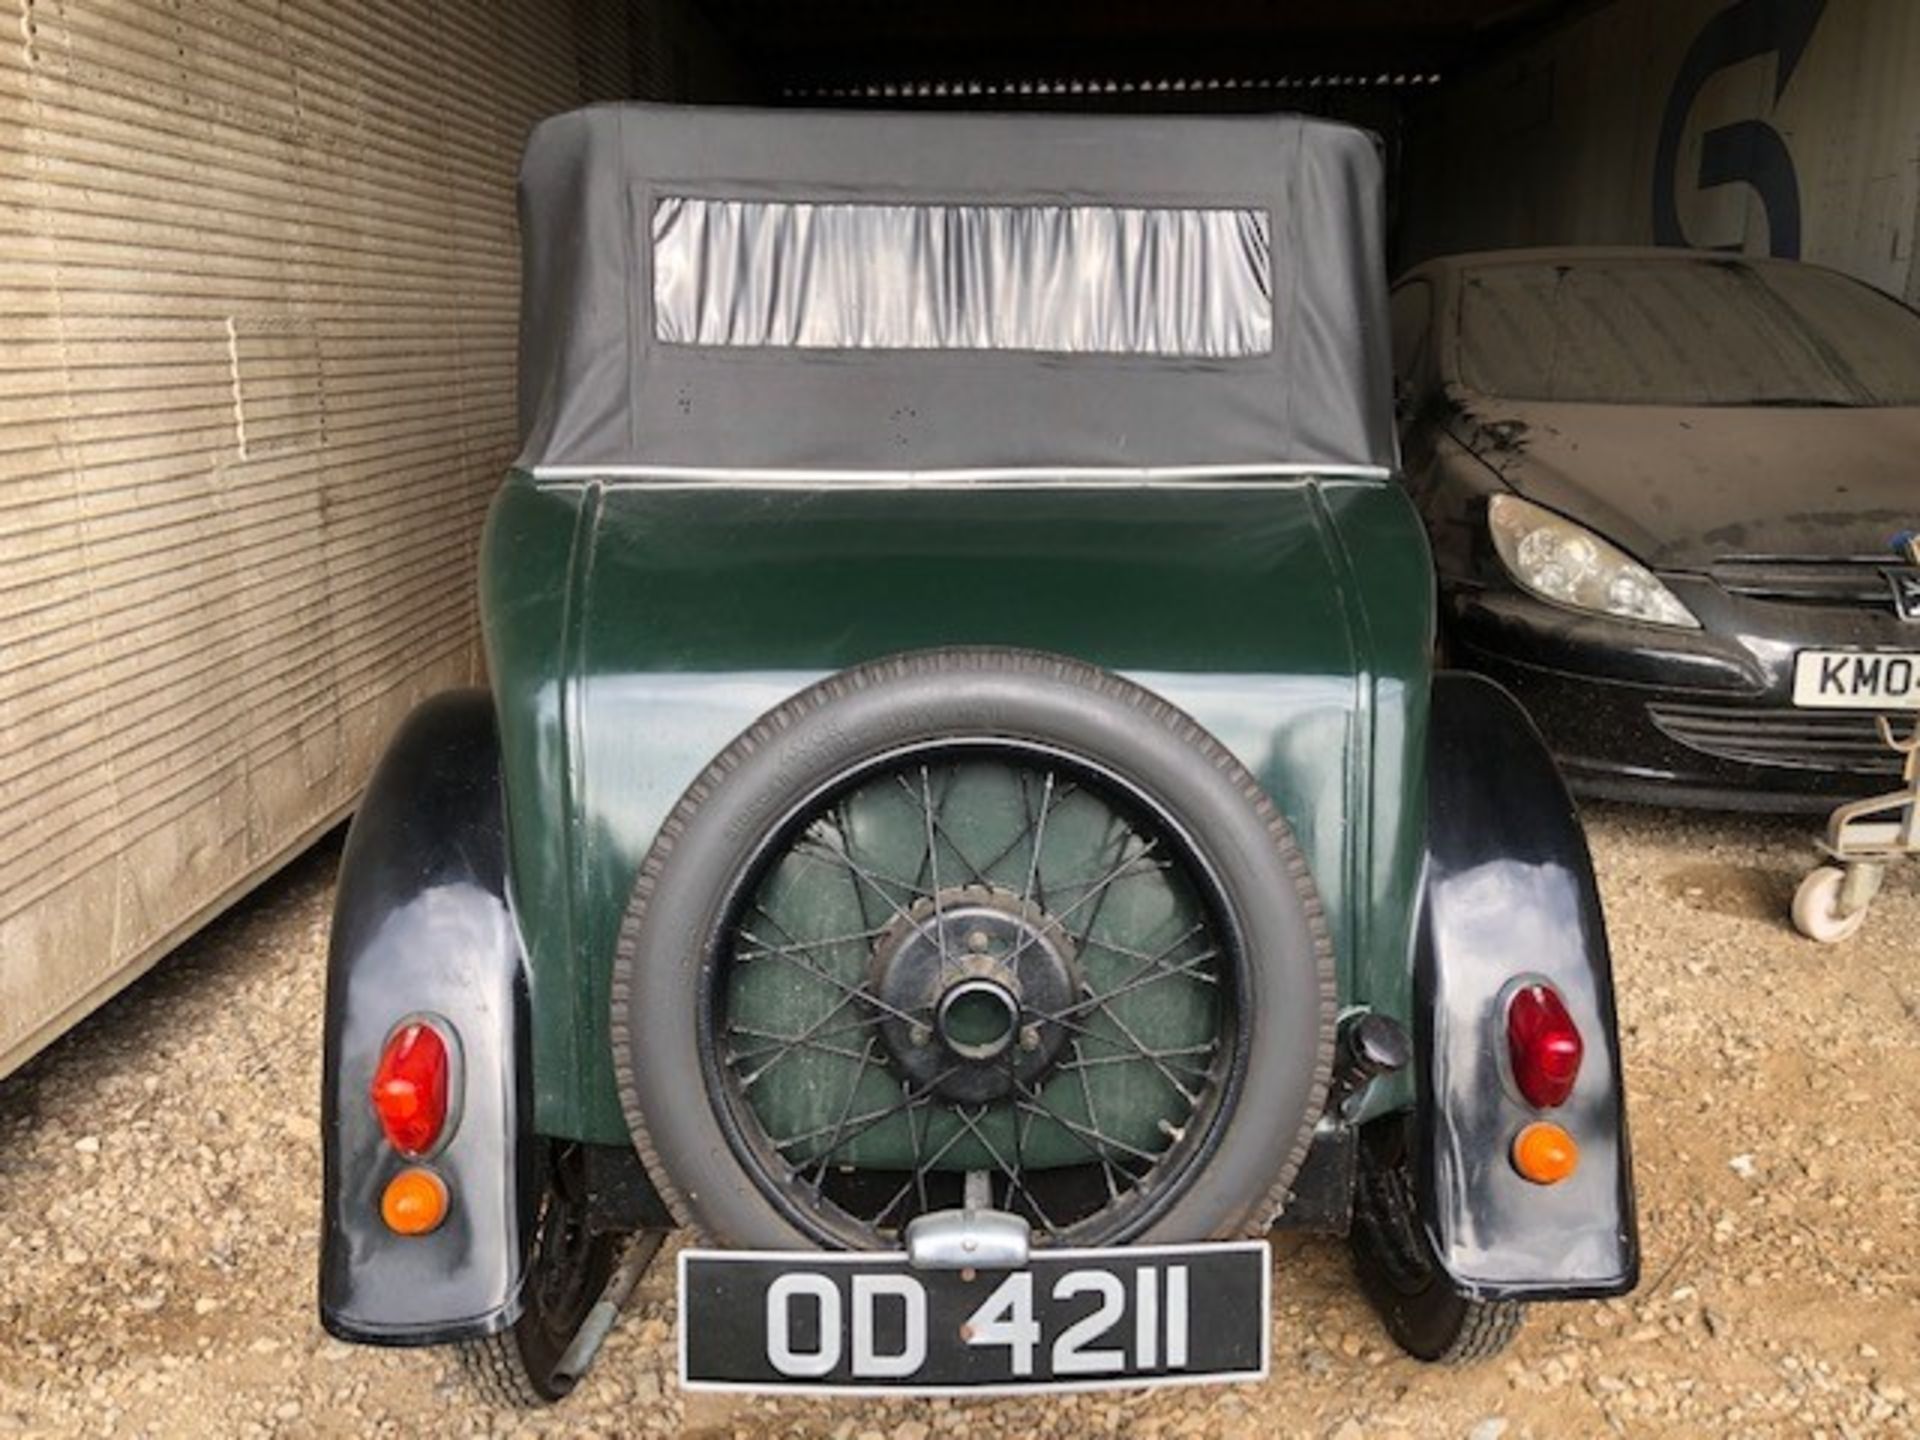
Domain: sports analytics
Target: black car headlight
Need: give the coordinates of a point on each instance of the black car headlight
(1550, 556)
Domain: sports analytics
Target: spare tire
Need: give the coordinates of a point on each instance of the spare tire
(973, 925)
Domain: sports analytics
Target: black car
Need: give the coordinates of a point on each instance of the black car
(1672, 497)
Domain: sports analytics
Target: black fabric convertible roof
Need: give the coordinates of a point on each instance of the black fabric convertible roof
(720, 290)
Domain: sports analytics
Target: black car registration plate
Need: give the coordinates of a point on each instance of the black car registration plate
(1069, 1319)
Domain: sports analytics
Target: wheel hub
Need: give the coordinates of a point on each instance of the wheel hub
(977, 1019)
(981, 973)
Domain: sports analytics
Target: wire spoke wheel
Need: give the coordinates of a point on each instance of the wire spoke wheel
(973, 928)
(985, 960)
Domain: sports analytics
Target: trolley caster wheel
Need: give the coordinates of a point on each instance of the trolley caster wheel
(1817, 912)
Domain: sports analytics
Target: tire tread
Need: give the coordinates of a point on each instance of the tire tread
(1489, 1327)
(494, 1368)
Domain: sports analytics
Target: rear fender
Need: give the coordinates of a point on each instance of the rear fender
(1510, 893)
(422, 926)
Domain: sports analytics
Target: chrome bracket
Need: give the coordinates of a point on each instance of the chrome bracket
(968, 1240)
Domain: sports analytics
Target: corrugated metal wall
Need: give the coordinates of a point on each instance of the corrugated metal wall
(258, 278)
(1790, 126)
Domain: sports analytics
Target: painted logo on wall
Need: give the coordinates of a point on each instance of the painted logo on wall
(1747, 152)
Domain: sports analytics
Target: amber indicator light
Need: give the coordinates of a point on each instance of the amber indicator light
(1544, 1153)
(414, 1202)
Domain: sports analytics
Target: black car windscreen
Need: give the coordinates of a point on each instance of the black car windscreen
(1065, 279)
(1684, 332)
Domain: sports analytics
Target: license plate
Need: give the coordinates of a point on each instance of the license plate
(1067, 1320)
(1857, 680)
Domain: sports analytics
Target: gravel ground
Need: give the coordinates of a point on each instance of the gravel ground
(160, 1170)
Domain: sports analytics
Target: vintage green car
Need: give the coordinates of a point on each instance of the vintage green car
(964, 821)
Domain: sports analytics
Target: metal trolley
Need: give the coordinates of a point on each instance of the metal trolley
(1862, 839)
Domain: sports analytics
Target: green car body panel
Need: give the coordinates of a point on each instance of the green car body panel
(634, 630)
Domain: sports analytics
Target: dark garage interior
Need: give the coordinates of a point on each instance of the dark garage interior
(1211, 57)
(1557, 94)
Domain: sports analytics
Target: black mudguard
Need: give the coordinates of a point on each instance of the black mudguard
(1511, 894)
(422, 925)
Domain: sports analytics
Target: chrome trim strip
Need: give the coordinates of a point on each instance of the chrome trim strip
(1043, 477)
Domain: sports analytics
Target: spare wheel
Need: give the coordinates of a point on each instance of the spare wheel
(968, 924)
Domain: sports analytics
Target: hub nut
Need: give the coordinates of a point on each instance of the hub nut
(964, 981)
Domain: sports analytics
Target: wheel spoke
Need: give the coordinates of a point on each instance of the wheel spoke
(1104, 884)
(933, 872)
(874, 882)
(812, 1047)
(774, 1037)
(858, 992)
(937, 825)
(1175, 1058)
(1139, 980)
(1066, 789)
(844, 823)
(1038, 829)
(1031, 1100)
(853, 1091)
(1013, 1082)
(858, 1125)
(812, 1038)
(794, 945)
(917, 1139)
(1093, 1117)
(920, 1177)
(824, 942)
(1079, 1135)
(821, 853)
(1016, 1178)
(1144, 957)
(1193, 1100)
(1140, 1051)
(1087, 882)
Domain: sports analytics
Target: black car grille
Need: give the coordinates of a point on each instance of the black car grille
(1789, 739)
(1854, 583)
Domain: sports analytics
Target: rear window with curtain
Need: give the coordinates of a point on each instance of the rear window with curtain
(1067, 279)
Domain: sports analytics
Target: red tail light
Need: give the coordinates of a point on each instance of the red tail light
(1544, 1045)
(411, 1086)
